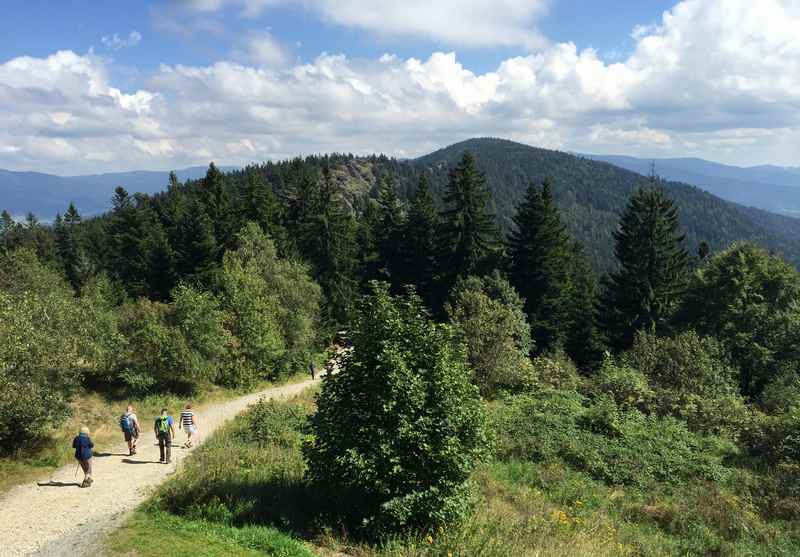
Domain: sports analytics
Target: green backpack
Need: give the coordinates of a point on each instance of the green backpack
(162, 424)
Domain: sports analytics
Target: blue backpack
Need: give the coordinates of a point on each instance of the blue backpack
(125, 424)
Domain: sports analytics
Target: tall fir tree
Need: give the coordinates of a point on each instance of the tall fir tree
(584, 344)
(651, 278)
(197, 247)
(160, 264)
(540, 266)
(127, 254)
(388, 233)
(77, 265)
(259, 204)
(217, 206)
(419, 242)
(469, 232)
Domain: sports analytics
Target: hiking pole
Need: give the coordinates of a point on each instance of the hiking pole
(76, 469)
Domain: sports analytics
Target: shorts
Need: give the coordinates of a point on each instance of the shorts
(191, 429)
(131, 436)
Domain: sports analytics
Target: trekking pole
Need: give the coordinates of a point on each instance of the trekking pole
(77, 464)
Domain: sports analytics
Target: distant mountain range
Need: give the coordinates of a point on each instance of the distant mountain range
(774, 188)
(45, 195)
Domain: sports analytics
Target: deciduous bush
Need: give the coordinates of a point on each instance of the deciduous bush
(692, 379)
(41, 344)
(610, 444)
(628, 387)
(488, 317)
(400, 428)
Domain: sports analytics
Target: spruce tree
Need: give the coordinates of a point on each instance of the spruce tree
(197, 248)
(646, 288)
(217, 206)
(540, 264)
(259, 204)
(584, 342)
(72, 248)
(469, 233)
(419, 242)
(127, 252)
(388, 233)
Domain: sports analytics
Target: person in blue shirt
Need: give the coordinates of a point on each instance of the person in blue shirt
(83, 454)
(165, 431)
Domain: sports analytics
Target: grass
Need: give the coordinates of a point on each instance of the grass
(246, 483)
(158, 534)
(100, 413)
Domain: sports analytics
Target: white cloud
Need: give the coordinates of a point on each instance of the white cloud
(115, 42)
(719, 79)
(454, 22)
(471, 23)
(262, 49)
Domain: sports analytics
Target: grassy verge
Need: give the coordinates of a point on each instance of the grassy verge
(234, 495)
(247, 483)
(100, 413)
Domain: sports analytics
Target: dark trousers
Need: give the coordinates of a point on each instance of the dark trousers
(86, 466)
(165, 446)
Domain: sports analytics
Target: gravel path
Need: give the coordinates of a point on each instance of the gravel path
(54, 517)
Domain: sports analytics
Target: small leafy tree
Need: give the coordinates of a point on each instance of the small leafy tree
(488, 318)
(253, 307)
(400, 428)
(748, 299)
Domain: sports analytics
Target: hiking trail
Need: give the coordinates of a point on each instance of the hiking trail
(54, 517)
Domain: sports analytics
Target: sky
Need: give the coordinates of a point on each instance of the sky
(89, 87)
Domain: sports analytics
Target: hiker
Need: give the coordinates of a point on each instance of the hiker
(189, 424)
(83, 454)
(165, 431)
(129, 424)
(313, 370)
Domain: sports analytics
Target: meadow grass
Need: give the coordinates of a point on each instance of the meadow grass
(248, 477)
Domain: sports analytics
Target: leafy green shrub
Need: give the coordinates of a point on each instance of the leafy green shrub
(488, 317)
(692, 379)
(271, 422)
(628, 387)
(400, 428)
(782, 394)
(610, 444)
(555, 371)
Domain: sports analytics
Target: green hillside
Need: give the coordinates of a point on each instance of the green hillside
(592, 194)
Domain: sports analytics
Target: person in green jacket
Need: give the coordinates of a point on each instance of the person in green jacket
(165, 431)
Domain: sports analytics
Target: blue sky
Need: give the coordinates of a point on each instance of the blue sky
(100, 86)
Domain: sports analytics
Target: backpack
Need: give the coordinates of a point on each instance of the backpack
(125, 424)
(162, 424)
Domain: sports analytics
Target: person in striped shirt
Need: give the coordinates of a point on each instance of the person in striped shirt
(188, 423)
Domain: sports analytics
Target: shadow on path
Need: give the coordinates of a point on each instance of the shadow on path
(131, 461)
(51, 483)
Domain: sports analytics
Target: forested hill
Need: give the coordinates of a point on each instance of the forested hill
(592, 194)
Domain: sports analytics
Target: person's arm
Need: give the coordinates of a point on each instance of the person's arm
(91, 445)
(75, 443)
(172, 426)
(180, 422)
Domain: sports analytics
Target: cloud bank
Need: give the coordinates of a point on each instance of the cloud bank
(715, 78)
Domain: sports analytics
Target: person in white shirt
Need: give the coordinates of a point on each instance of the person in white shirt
(188, 423)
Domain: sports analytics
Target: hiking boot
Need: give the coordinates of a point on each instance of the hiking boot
(86, 482)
